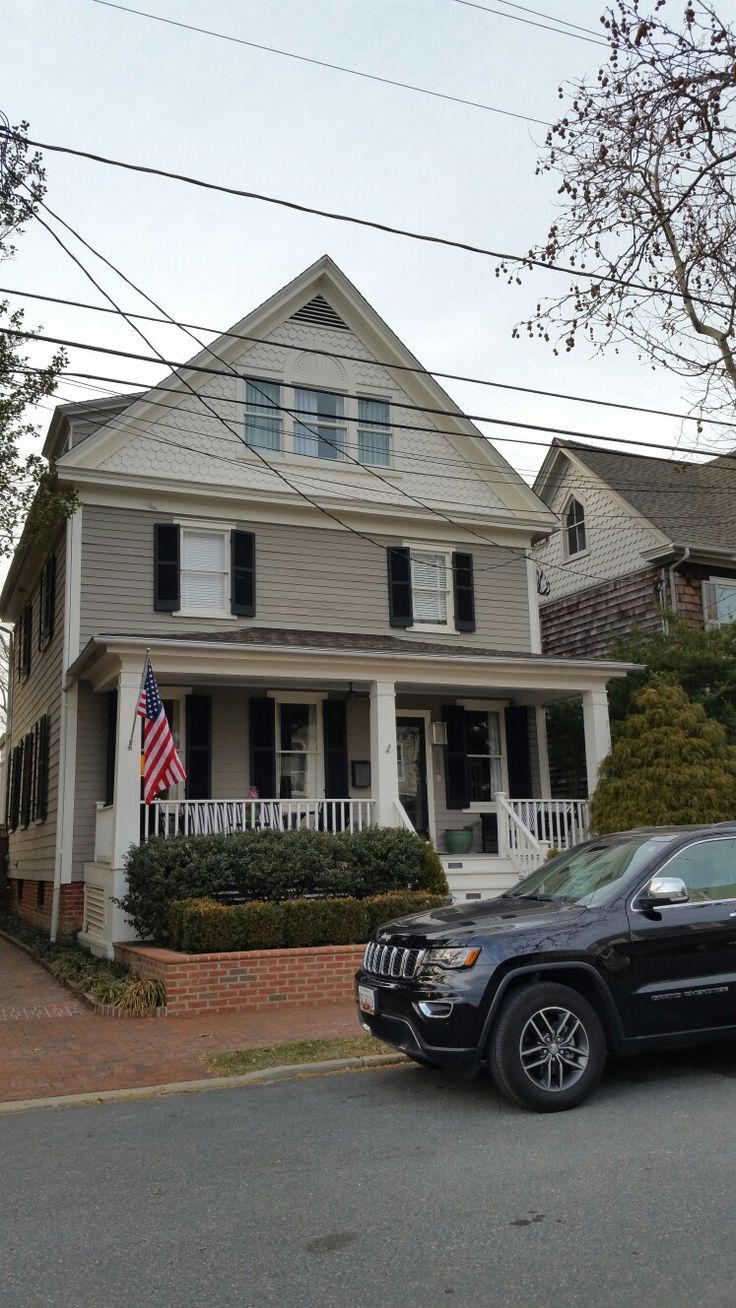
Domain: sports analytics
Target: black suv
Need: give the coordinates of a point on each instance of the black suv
(625, 943)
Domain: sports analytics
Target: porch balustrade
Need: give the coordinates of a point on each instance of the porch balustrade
(104, 832)
(210, 817)
(529, 828)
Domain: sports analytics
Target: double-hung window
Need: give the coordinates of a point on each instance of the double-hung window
(319, 424)
(263, 414)
(204, 570)
(297, 750)
(431, 588)
(719, 601)
(575, 542)
(483, 742)
(374, 437)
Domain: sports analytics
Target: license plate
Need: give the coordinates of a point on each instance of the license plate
(366, 999)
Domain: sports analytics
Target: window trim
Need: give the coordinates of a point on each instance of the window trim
(490, 706)
(224, 530)
(729, 582)
(447, 551)
(313, 699)
(567, 554)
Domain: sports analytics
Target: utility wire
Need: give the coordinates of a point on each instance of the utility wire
(516, 553)
(546, 27)
(526, 260)
(176, 367)
(322, 63)
(432, 373)
(565, 21)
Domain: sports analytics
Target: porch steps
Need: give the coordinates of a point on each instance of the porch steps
(478, 876)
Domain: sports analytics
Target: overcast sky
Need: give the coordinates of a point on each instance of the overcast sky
(110, 82)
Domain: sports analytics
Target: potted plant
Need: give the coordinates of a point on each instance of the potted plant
(460, 841)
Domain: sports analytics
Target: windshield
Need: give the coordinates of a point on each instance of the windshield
(590, 874)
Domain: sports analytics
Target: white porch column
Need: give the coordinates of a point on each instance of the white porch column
(384, 763)
(545, 784)
(126, 827)
(597, 733)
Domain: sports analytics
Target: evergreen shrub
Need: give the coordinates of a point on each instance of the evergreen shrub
(202, 926)
(670, 764)
(274, 866)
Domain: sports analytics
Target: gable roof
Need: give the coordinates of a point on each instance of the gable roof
(690, 503)
(323, 293)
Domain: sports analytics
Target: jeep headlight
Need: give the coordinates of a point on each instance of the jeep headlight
(465, 956)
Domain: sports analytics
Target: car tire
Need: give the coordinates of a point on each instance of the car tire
(547, 1049)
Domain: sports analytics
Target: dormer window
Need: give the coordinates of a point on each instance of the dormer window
(321, 432)
(574, 529)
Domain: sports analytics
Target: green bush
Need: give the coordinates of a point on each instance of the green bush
(669, 764)
(202, 926)
(274, 866)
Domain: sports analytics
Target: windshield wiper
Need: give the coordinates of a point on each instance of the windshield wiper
(547, 899)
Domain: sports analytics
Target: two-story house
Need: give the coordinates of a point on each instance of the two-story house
(331, 568)
(637, 538)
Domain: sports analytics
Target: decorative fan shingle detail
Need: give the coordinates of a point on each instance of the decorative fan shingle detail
(320, 314)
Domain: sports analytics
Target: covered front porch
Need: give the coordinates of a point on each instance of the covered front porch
(279, 737)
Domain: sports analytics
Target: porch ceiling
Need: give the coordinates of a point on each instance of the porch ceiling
(272, 656)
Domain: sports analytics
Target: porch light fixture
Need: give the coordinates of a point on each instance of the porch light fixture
(439, 733)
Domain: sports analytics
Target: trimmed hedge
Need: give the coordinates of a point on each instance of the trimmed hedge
(202, 926)
(274, 866)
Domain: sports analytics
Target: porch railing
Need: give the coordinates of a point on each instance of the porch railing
(209, 817)
(562, 823)
(515, 841)
(104, 833)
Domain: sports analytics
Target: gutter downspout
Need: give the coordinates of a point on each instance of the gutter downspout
(671, 574)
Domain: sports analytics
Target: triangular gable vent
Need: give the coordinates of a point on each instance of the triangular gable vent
(320, 314)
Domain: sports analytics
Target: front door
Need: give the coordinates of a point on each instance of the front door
(683, 956)
(411, 756)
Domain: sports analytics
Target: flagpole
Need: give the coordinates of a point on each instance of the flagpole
(140, 688)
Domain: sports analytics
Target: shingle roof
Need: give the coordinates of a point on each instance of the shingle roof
(692, 503)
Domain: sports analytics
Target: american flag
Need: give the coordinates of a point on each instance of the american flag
(162, 766)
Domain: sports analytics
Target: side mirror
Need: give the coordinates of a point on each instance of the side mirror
(664, 890)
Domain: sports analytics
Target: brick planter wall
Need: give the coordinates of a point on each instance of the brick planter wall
(234, 982)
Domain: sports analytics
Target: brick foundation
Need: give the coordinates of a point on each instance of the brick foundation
(226, 983)
(23, 899)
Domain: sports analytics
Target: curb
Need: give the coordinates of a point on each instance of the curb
(267, 1076)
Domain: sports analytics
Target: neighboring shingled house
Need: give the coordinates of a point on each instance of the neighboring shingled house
(639, 537)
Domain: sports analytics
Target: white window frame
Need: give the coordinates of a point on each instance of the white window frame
(214, 528)
(490, 706)
(178, 697)
(349, 457)
(302, 697)
(267, 450)
(446, 551)
(730, 584)
(567, 553)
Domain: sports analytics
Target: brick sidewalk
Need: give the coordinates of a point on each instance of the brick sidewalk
(50, 1044)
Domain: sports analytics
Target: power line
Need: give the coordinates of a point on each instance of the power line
(546, 27)
(433, 373)
(467, 247)
(573, 433)
(322, 63)
(565, 21)
(276, 471)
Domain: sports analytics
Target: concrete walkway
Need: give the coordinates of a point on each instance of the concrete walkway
(50, 1044)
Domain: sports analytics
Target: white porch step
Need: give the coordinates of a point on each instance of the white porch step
(478, 876)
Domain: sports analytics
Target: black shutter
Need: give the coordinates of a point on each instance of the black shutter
(13, 790)
(41, 787)
(110, 745)
(457, 794)
(42, 608)
(199, 747)
(400, 609)
(517, 752)
(25, 637)
(263, 746)
(27, 781)
(243, 573)
(166, 567)
(50, 597)
(335, 721)
(462, 581)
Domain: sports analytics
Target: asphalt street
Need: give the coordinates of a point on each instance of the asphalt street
(380, 1188)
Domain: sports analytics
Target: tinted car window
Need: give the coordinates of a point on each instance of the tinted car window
(590, 874)
(708, 869)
